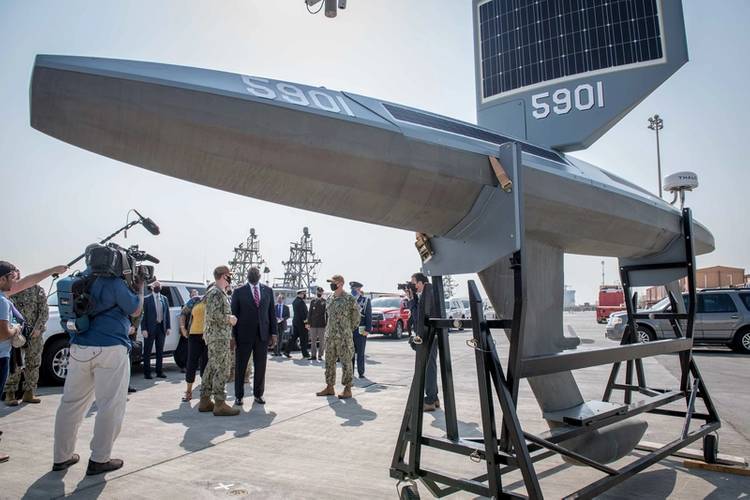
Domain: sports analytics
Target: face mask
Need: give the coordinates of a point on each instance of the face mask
(334, 287)
(157, 289)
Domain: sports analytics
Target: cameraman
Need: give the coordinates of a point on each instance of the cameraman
(99, 369)
(425, 310)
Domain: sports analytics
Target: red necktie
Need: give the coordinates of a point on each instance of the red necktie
(256, 296)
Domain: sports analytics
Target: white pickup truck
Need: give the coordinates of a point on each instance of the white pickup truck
(54, 367)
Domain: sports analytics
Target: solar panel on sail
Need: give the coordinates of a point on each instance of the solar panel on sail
(524, 42)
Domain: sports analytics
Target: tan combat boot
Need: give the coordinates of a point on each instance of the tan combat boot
(28, 397)
(328, 391)
(10, 399)
(347, 392)
(222, 409)
(205, 404)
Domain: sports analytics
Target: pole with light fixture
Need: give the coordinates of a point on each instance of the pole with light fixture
(655, 123)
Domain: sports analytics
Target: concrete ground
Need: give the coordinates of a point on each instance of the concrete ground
(302, 446)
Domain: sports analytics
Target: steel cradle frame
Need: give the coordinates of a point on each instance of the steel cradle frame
(514, 449)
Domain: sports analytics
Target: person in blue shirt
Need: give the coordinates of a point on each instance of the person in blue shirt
(9, 328)
(98, 369)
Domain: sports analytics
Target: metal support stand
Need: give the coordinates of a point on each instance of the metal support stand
(515, 449)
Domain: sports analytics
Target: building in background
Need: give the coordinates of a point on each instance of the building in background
(569, 297)
(708, 277)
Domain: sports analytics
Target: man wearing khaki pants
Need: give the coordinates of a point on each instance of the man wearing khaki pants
(98, 369)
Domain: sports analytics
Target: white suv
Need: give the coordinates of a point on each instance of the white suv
(54, 367)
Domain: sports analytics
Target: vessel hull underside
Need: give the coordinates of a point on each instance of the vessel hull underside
(332, 165)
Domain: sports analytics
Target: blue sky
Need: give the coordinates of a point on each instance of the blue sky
(419, 53)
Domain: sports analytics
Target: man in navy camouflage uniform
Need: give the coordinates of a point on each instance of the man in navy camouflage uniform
(218, 337)
(32, 304)
(343, 318)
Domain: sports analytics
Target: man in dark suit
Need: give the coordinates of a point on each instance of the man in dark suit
(282, 316)
(364, 329)
(426, 309)
(253, 306)
(155, 326)
(299, 325)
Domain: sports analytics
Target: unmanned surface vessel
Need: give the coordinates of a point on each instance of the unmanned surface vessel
(477, 193)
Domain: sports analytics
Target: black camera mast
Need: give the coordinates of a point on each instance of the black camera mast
(246, 255)
(301, 270)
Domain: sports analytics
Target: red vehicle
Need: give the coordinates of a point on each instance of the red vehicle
(390, 316)
(611, 300)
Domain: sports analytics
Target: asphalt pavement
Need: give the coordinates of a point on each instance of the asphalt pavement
(302, 446)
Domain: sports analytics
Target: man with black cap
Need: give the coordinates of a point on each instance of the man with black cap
(299, 327)
(365, 326)
(317, 322)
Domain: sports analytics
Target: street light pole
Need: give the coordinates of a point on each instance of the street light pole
(655, 123)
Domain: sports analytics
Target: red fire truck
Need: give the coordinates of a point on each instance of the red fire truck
(611, 300)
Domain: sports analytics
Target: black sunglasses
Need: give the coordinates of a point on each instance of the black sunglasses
(228, 278)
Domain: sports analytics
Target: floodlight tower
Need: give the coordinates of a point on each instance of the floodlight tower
(656, 123)
(246, 255)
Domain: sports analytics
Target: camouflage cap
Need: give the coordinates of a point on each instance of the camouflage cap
(336, 278)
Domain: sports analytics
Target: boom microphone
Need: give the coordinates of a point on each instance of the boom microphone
(150, 225)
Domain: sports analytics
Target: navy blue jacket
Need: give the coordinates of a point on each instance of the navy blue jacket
(148, 321)
(253, 320)
(365, 309)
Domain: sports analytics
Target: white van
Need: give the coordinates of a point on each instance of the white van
(54, 367)
(457, 308)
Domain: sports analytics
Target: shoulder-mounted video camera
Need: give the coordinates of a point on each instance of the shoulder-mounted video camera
(114, 260)
(407, 286)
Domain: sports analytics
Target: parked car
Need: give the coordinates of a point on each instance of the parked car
(390, 316)
(54, 367)
(457, 308)
(722, 318)
(489, 311)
